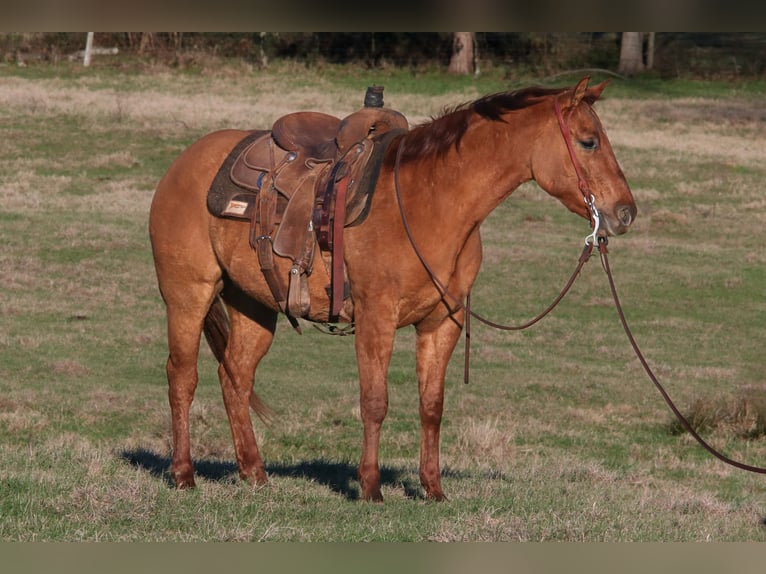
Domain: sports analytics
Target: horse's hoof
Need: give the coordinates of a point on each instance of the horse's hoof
(258, 479)
(436, 496)
(373, 496)
(185, 483)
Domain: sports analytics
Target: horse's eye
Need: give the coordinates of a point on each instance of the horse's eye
(589, 144)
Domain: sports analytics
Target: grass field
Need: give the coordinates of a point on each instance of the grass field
(559, 436)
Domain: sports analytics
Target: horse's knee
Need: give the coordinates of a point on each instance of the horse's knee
(182, 375)
(431, 411)
(373, 408)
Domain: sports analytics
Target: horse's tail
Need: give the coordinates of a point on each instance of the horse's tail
(216, 329)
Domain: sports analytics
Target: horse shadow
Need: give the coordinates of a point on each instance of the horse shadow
(340, 477)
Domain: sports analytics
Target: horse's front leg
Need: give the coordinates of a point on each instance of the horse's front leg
(435, 345)
(374, 345)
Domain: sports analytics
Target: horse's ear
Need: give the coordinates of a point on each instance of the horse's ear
(594, 93)
(579, 91)
(583, 92)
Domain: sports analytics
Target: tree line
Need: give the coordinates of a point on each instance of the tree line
(664, 54)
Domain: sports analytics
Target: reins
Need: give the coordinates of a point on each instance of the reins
(445, 293)
(594, 238)
(590, 241)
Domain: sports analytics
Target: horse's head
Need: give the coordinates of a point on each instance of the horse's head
(574, 161)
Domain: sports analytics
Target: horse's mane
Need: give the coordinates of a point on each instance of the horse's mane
(437, 136)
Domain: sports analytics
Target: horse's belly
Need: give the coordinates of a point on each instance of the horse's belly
(231, 243)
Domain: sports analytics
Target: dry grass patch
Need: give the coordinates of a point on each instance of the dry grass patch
(485, 525)
(742, 416)
(484, 443)
(201, 104)
(720, 129)
(23, 190)
(18, 417)
(608, 414)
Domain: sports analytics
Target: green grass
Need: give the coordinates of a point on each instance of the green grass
(558, 436)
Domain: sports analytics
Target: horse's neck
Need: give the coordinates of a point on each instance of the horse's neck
(460, 189)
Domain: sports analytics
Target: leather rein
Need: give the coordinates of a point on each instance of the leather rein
(595, 238)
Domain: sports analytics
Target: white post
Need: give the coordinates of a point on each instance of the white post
(88, 49)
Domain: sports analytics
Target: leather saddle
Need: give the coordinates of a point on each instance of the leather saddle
(299, 185)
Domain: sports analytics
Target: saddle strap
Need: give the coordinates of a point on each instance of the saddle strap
(338, 278)
(261, 242)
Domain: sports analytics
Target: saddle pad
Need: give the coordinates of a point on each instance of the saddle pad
(222, 191)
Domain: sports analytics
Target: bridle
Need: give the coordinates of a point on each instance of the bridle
(595, 238)
(582, 184)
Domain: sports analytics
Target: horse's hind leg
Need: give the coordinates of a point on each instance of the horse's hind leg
(252, 331)
(185, 320)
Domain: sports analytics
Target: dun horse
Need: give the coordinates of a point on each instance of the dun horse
(450, 173)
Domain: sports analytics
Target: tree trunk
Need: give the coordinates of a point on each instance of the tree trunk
(650, 51)
(146, 43)
(631, 54)
(264, 59)
(88, 49)
(462, 60)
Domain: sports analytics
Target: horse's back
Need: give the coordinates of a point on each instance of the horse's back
(191, 173)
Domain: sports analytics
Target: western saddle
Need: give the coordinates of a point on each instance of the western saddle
(299, 185)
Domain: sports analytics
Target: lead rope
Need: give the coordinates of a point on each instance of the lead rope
(602, 248)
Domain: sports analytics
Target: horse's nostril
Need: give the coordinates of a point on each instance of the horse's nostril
(626, 214)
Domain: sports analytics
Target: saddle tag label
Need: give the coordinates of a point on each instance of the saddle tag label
(236, 207)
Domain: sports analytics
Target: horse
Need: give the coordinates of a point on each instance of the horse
(444, 177)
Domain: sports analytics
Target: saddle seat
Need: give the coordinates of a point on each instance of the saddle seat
(310, 133)
(321, 136)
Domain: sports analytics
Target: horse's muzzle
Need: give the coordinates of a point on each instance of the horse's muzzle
(619, 221)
